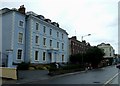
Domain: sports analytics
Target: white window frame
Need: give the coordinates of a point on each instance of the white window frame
(44, 41)
(50, 32)
(62, 36)
(63, 57)
(51, 42)
(35, 55)
(37, 40)
(45, 56)
(57, 34)
(44, 29)
(21, 55)
(62, 46)
(19, 23)
(58, 45)
(22, 37)
(37, 27)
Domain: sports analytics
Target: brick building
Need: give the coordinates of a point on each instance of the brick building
(76, 46)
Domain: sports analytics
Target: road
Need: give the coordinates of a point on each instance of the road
(116, 80)
(96, 76)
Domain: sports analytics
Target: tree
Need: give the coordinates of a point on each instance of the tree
(94, 55)
(77, 58)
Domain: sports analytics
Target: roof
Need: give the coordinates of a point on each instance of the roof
(7, 10)
(41, 17)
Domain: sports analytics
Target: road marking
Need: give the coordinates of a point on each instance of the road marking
(107, 82)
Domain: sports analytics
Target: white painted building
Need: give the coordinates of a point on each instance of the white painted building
(108, 50)
(29, 37)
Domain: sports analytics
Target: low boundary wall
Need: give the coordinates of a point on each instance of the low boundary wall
(8, 72)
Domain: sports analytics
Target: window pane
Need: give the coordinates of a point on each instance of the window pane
(21, 23)
(50, 31)
(20, 37)
(44, 55)
(36, 55)
(62, 36)
(62, 58)
(50, 43)
(19, 54)
(57, 44)
(37, 39)
(44, 41)
(62, 45)
(44, 29)
(37, 26)
(57, 34)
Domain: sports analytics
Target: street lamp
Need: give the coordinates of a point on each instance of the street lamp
(84, 36)
(83, 47)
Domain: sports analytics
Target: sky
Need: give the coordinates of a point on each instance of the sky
(78, 17)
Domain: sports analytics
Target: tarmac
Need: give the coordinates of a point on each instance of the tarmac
(25, 77)
(28, 76)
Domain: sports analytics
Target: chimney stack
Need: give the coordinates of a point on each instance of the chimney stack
(22, 9)
(74, 37)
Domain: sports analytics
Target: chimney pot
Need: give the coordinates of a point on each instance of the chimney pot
(22, 9)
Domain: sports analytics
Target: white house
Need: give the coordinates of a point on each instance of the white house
(29, 37)
(108, 50)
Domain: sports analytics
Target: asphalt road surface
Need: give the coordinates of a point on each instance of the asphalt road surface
(96, 76)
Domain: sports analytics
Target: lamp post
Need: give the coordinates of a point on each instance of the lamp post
(83, 47)
(84, 36)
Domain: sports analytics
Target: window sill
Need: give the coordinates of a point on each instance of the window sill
(20, 43)
(22, 27)
(44, 46)
(37, 44)
(44, 34)
(36, 60)
(19, 60)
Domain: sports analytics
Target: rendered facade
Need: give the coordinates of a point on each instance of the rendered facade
(29, 37)
(109, 52)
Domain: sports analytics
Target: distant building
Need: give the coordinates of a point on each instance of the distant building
(108, 50)
(29, 37)
(76, 47)
(117, 58)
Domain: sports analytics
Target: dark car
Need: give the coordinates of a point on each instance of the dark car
(118, 66)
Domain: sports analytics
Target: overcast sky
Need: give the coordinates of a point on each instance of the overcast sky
(78, 17)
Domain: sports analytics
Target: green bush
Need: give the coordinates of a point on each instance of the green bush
(42, 67)
(52, 67)
(72, 66)
(23, 66)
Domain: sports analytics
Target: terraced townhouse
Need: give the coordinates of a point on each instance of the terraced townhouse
(29, 37)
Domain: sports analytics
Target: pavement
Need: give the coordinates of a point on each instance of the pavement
(33, 75)
(27, 76)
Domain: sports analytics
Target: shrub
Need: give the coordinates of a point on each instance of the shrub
(23, 66)
(72, 66)
(52, 67)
